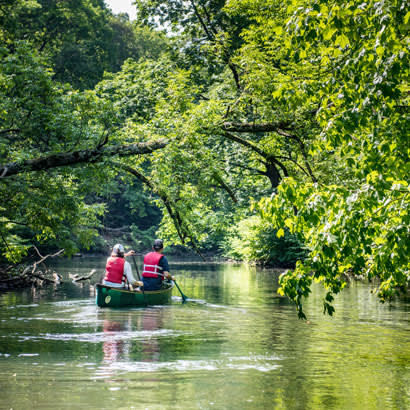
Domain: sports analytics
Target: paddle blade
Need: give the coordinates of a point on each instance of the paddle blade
(184, 298)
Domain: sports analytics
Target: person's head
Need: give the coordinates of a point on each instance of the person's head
(158, 245)
(118, 250)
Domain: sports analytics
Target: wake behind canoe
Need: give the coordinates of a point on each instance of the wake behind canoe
(107, 296)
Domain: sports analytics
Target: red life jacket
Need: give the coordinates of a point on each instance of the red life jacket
(151, 267)
(114, 270)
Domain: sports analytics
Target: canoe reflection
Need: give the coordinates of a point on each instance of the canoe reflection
(113, 347)
(151, 321)
(133, 335)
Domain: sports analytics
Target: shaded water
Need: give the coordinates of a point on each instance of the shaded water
(235, 345)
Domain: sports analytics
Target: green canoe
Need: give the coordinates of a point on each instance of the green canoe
(107, 296)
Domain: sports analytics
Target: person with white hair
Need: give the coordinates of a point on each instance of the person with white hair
(117, 270)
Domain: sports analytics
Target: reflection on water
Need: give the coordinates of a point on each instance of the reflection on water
(122, 335)
(235, 344)
(113, 347)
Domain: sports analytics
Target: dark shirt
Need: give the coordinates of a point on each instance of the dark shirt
(156, 283)
(163, 262)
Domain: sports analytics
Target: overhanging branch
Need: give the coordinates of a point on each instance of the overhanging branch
(180, 226)
(280, 127)
(246, 143)
(224, 185)
(270, 161)
(253, 128)
(80, 156)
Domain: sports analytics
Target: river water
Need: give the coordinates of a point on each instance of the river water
(236, 344)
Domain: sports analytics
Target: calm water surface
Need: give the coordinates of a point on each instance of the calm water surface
(235, 345)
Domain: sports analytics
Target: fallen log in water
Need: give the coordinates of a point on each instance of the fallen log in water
(12, 278)
(77, 278)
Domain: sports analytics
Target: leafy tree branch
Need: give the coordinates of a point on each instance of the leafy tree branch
(78, 157)
(281, 128)
(180, 226)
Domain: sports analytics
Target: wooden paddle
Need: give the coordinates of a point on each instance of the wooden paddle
(139, 278)
(184, 298)
(136, 268)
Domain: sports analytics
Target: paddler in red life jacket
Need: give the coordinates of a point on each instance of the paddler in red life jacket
(156, 267)
(117, 269)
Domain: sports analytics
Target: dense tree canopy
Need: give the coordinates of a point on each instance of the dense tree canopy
(45, 124)
(272, 132)
(349, 62)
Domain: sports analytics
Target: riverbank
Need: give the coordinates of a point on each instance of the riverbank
(29, 273)
(12, 278)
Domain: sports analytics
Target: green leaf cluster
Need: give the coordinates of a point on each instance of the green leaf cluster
(257, 241)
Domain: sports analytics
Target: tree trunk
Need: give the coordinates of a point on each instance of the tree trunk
(273, 174)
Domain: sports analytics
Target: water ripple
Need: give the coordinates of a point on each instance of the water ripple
(99, 337)
(261, 364)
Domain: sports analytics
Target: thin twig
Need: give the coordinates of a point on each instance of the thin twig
(44, 258)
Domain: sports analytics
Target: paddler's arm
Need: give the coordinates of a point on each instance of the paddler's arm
(165, 266)
(128, 271)
(128, 274)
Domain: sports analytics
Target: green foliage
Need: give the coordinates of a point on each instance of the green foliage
(39, 117)
(81, 38)
(358, 64)
(364, 230)
(157, 98)
(128, 203)
(255, 240)
(143, 239)
(205, 24)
